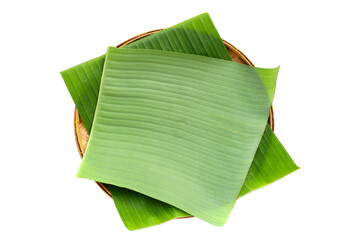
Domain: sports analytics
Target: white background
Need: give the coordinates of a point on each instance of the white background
(316, 104)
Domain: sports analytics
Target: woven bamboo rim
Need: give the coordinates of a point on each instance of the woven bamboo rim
(82, 136)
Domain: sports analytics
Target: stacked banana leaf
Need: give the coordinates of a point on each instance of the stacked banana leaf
(177, 128)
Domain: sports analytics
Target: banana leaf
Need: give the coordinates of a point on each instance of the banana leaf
(179, 128)
(140, 211)
(83, 83)
(271, 162)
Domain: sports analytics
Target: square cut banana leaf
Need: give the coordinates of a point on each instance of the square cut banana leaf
(179, 128)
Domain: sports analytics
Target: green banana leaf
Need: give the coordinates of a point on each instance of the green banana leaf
(271, 162)
(83, 83)
(180, 128)
(140, 211)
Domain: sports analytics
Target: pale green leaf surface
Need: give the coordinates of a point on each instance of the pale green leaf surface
(180, 128)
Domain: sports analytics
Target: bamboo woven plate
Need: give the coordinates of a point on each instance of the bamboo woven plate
(82, 136)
